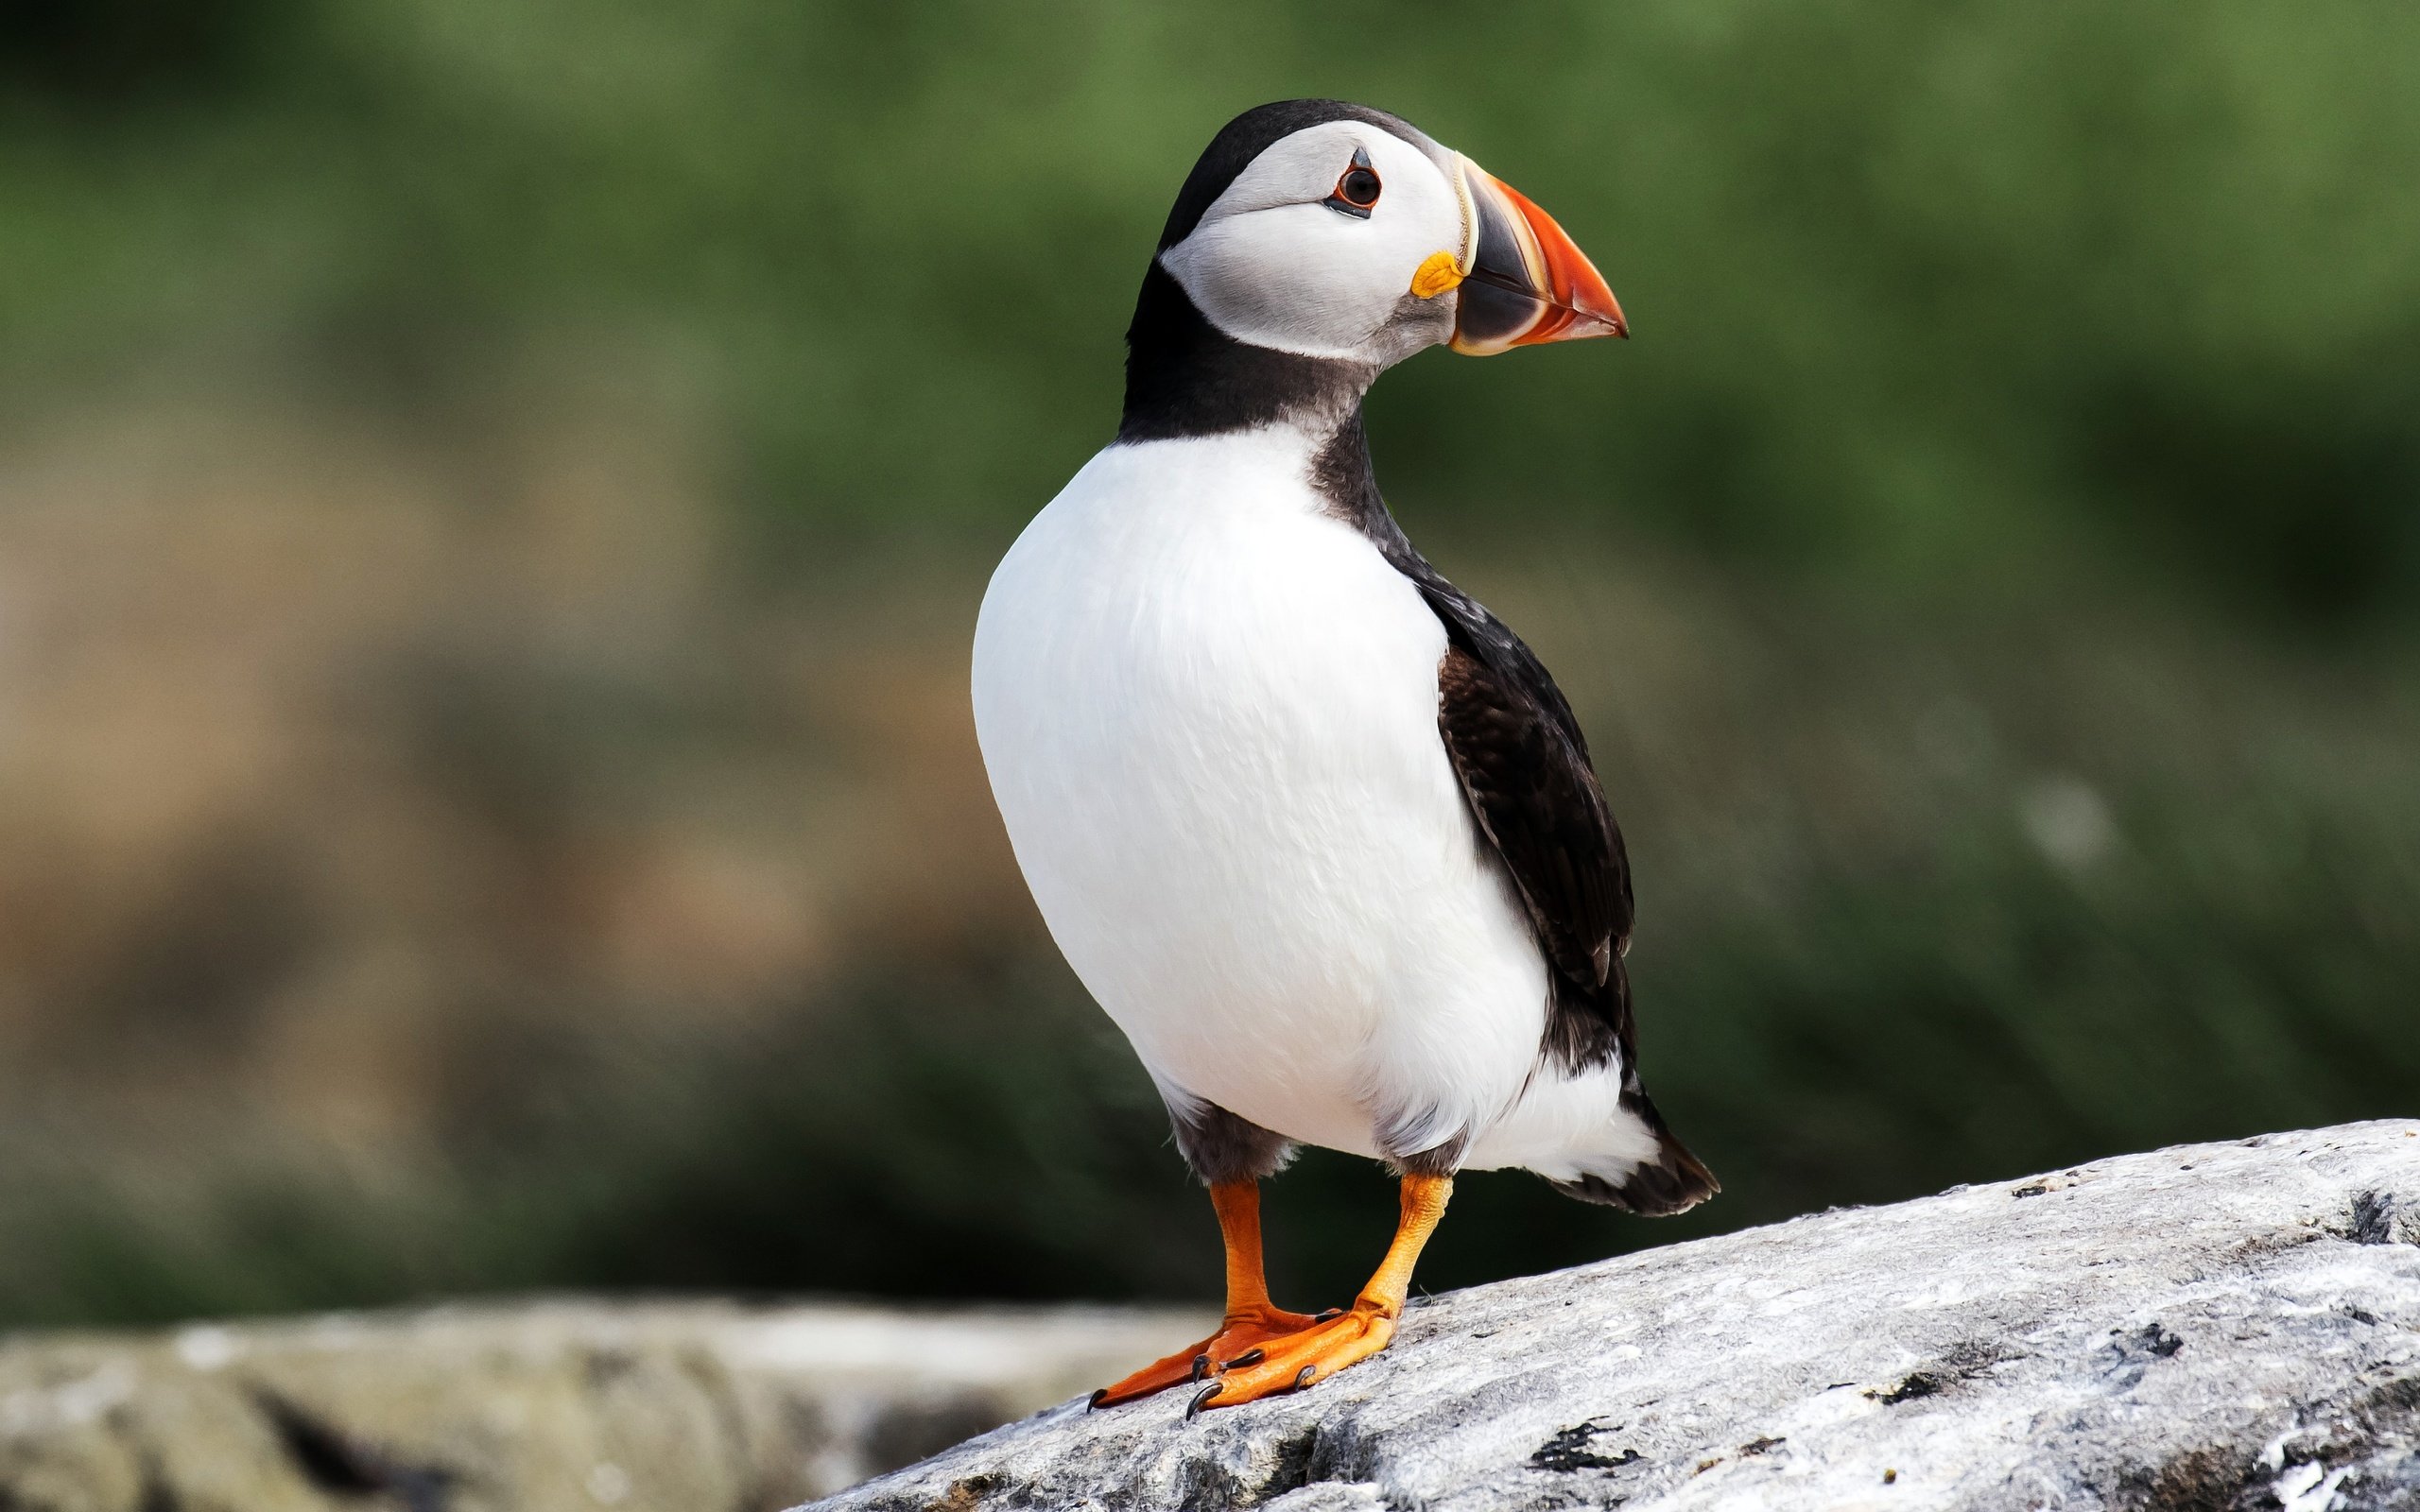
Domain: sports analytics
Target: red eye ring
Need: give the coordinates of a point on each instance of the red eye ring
(1357, 189)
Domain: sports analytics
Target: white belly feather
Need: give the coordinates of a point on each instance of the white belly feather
(1209, 713)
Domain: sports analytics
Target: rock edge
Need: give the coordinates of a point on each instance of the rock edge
(2209, 1327)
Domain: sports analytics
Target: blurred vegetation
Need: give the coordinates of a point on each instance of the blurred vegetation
(1919, 288)
(1989, 577)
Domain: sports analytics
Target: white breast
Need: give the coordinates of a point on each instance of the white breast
(1209, 713)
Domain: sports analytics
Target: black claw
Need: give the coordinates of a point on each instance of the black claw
(1252, 1356)
(1333, 1312)
(1202, 1399)
(1302, 1377)
(1095, 1399)
(1200, 1366)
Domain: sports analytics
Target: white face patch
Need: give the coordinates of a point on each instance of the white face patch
(1275, 264)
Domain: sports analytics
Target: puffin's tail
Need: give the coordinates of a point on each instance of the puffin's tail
(1669, 1180)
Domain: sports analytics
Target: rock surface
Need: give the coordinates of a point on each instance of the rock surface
(2215, 1327)
(531, 1407)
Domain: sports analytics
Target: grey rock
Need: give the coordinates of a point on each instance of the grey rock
(2206, 1328)
(533, 1407)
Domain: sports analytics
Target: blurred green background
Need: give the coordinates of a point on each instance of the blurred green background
(494, 497)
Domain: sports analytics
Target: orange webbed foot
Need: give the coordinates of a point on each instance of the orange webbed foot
(1310, 1354)
(1263, 1350)
(1239, 1336)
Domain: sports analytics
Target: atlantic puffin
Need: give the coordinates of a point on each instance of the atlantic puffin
(1315, 827)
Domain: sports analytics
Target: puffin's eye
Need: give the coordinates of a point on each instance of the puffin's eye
(1357, 190)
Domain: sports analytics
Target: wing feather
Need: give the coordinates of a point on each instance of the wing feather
(1525, 771)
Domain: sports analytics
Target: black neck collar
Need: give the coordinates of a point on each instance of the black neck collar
(1186, 377)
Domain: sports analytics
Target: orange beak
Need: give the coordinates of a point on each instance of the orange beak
(1527, 281)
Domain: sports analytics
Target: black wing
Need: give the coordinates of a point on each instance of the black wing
(1525, 768)
(1523, 765)
(1525, 771)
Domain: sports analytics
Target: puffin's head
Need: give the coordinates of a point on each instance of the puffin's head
(1331, 231)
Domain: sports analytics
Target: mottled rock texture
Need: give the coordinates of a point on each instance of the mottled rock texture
(538, 1407)
(2214, 1327)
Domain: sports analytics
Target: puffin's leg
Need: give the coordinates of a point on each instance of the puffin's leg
(1252, 1319)
(1322, 1349)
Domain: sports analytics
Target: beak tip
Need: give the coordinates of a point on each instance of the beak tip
(1612, 315)
(1600, 302)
